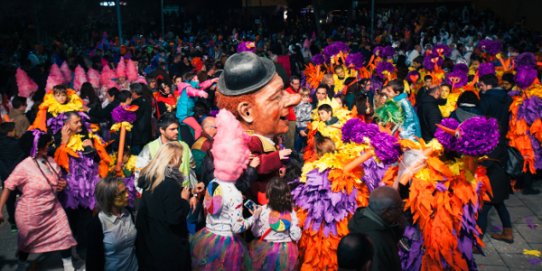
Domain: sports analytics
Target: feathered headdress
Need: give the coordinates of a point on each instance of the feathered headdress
(80, 77)
(442, 50)
(457, 78)
(526, 59)
(355, 60)
(131, 71)
(486, 68)
(334, 49)
(413, 76)
(107, 77)
(490, 47)
(121, 68)
(230, 150)
(388, 52)
(525, 76)
(432, 60)
(25, 84)
(66, 72)
(55, 77)
(390, 112)
(318, 59)
(475, 136)
(93, 77)
(461, 67)
(385, 70)
(246, 46)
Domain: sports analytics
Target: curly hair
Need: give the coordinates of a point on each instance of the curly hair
(279, 195)
(230, 102)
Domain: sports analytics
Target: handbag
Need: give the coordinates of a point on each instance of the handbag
(514, 165)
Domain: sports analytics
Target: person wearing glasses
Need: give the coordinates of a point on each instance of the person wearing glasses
(112, 232)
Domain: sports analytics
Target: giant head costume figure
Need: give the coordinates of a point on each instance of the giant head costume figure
(250, 88)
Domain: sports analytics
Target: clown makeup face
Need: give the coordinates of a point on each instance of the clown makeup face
(267, 115)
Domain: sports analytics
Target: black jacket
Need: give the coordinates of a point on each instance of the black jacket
(10, 155)
(142, 129)
(162, 235)
(494, 103)
(383, 237)
(429, 115)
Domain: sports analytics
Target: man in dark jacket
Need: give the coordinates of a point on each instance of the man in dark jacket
(10, 155)
(142, 129)
(381, 222)
(429, 113)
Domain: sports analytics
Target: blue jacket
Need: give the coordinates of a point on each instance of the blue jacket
(411, 128)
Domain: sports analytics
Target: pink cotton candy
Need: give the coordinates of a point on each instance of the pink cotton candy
(121, 68)
(230, 150)
(80, 77)
(55, 77)
(25, 84)
(93, 77)
(66, 72)
(131, 71)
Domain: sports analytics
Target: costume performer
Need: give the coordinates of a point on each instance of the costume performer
(250, 88)
(218, 246)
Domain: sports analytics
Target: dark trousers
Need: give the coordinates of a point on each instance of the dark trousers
(300, 141)
(502, 211)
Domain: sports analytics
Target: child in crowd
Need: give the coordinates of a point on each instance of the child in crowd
(325, 113)
(187, 91)
(303, 117)
(277, 231)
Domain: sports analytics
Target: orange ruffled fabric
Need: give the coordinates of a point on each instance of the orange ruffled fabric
(518, 138)
(439, 213)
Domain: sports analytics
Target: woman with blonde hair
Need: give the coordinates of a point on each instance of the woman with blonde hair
(162, 235)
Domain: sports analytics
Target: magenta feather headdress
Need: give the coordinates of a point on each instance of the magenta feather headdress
(66, 72)
(93, 77)
(526, 59)
(55, 77)
(457, 78)
(246, 46)
(386, 147)
(378, 50)
(413, 76)
(486, 68)
(475, 136)
(121, 68)
(131, 71)
(388, 52)
(355, 59)
(430, 60)
(141, 79)
(491, 47)
(461, 67)
(525, 76)
(334, 49)
(230, 150)
(442, 50)
(318, 59)
(384, 66)
(25, 84)
(80, 77)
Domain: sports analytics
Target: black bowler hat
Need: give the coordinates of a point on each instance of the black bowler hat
(244, 73)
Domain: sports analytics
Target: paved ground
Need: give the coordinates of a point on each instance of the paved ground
(526, 212)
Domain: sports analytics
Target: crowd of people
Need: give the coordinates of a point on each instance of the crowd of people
(295, 150)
